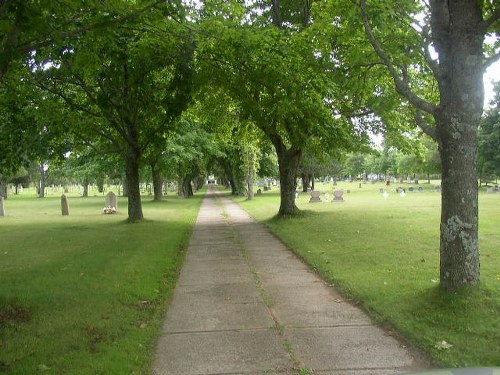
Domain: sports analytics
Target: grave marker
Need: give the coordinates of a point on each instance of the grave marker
(64, 205)
(315, 196)
(110, 203)
(337, 196)
(2, 209)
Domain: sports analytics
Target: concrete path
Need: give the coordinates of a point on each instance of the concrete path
(244, 304)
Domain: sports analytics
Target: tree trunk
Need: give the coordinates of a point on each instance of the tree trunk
(234, 189)
(456, 28)
(305, 183)
(157, 182)
(288, 163)
(311, 180)
(134, 193)
(3, 189)
(41, 192)
(250, 176)
(85, 189)
(187, 189)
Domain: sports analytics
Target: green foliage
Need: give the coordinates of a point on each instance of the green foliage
(489, 143)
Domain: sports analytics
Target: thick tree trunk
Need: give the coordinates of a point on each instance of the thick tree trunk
(134, 193)
(157, 182)
(456, 28)
(288, 163)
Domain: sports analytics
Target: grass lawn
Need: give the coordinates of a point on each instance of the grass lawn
(384, 253)
(86, 293)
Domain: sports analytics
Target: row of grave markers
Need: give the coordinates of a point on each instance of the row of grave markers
(110, 204)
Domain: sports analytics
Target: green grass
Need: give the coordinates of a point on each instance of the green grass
(86, 293)
(384, 253)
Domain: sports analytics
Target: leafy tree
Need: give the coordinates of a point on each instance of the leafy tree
(253, 61)
(187, 153)
(356, 164)
(447, 93)
(133, 82)
(489, 142)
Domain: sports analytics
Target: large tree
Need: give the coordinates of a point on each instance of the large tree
(134, 80)
(447, 92)
(268, 64)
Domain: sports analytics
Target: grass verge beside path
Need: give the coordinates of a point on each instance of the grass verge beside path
(384, 253)
(86, 293)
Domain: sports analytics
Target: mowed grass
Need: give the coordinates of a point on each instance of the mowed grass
(384, 254)
(86, 293)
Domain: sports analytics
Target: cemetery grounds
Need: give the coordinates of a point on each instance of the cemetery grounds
(383, 253)
(87, 293)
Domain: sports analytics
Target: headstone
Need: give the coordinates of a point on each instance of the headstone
(2, 209)
(259, 192)
(266, 188)
(348, 191)
(64, 205)
(420, 189)
(337, 196)
(490, 190)
(110, 203)
(411, 189)
(315, 196)
(496, 188)
(437, 188)
(360, 185)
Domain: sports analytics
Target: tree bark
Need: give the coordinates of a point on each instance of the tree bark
(157, 182)
(85, 189)
(187, 189)
(458, 39)
(288, 163)
(3, 189)
(41, 192)
(132, 159)
(305, 182)
(250, 175)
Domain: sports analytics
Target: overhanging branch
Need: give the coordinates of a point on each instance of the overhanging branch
(401, 83)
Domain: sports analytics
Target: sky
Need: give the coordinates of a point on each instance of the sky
(493, 73)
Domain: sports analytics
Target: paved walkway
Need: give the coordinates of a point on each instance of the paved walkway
(244, 304)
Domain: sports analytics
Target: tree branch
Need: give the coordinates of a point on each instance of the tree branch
(425, 47)
(491, 60)
(425, 126)
(490, 21)
(401, 83)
